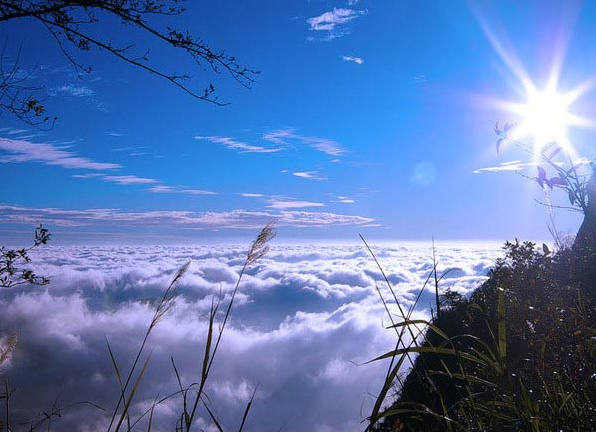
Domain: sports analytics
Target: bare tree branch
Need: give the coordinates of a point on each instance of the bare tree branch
(71, 23)
(16, 95)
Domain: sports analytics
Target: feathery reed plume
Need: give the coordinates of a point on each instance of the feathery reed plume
(258, 248)
(6, 351)
(164, 304)
(167, 299)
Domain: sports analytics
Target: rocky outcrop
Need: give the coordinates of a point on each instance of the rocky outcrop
(586, 236)
(584, 247)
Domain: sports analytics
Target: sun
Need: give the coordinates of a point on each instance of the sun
(544, 113)
(545, 118)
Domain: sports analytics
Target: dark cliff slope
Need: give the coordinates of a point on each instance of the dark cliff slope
(530, 333)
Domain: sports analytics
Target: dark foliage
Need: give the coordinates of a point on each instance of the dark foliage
(532, 326)
(14, 268)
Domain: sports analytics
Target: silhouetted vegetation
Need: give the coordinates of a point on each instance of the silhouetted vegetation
(14, 269)
(519, 354)
(560, 169)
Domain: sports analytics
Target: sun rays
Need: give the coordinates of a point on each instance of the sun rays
(543, 115)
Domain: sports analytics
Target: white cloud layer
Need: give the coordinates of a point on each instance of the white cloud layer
(306, 315)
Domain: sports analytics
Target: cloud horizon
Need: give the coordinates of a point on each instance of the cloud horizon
(305, 317)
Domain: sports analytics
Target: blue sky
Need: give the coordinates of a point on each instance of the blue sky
(367, 116)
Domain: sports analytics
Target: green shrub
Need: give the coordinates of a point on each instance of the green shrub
(519, 354)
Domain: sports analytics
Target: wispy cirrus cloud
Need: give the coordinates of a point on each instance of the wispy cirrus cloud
(329, 21)
(345, 200)
(180, 189)
(420, 78)
(515, 165)
(12, 131)
(309, 175)
(132, 151)
(287, 135)
(251, 195)
(350, 59)
(333, 22)
(234, 144)
(157, 186)
(284, 204)
(88, 175)
(72, 90)
(282, 138)
(48, 154)
(172, 219)
(130, 180)
(21, 151)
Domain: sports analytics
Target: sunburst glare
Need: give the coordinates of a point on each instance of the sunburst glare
(543, 115)
(545, 118)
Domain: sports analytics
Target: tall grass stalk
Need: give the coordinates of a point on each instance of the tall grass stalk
(500, 359)
(190, 404)
(165, 303)
(405, 352)
(128, 387)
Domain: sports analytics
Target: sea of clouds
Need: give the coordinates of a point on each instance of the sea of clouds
(306, 319)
